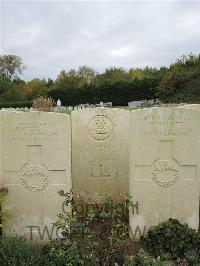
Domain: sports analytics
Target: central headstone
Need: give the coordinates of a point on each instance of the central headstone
(36, 164)
(164, 165)
(100, 152)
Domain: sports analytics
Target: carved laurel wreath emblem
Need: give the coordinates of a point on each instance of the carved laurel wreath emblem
(165, 173)
(34, 177)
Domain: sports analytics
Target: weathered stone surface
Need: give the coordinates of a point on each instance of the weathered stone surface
(36, 164)
(100, 152)
(164, 167)
(191, 106)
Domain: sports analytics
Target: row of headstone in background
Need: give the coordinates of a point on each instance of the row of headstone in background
(59, 107)
(31, 109)
(24, 109)
(152, 154)
(144, 103)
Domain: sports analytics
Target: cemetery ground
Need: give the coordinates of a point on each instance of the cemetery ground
(100, 186)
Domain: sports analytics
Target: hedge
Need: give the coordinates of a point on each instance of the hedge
(16, 104)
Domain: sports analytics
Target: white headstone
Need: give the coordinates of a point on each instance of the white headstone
(36, 164)
(100, 152)
(58, 103)
(164, 167)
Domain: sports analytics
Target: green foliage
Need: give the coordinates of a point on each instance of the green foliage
(179, 83)
(119, 92)
(192, 257)
(11, 66)
(182, 82)
(143, 259)
(71, 253)
(35, 88)
(86, 73)
(93, 234)
(115, 85)
(174, 240)
(10, 90)
(16, 250)
(74, 79)
(19, 104)
(97, 235)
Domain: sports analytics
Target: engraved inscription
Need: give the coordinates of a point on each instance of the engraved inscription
(34, 131)
(167, 125)
(165, 173)
(165, 118)
(100, 127)
(34, 177)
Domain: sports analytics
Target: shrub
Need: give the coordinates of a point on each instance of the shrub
(15, 250)
(43, 104)
(71, 253)
(192, 257)
(95, 235)
(143, 259)
(175, 240)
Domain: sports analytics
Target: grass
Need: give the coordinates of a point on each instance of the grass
(67, 112)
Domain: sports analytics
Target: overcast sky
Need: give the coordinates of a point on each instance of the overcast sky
(53, 35)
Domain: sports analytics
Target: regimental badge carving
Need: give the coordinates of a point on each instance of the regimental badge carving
(100, 127)
(34, 177)
(165, 173)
